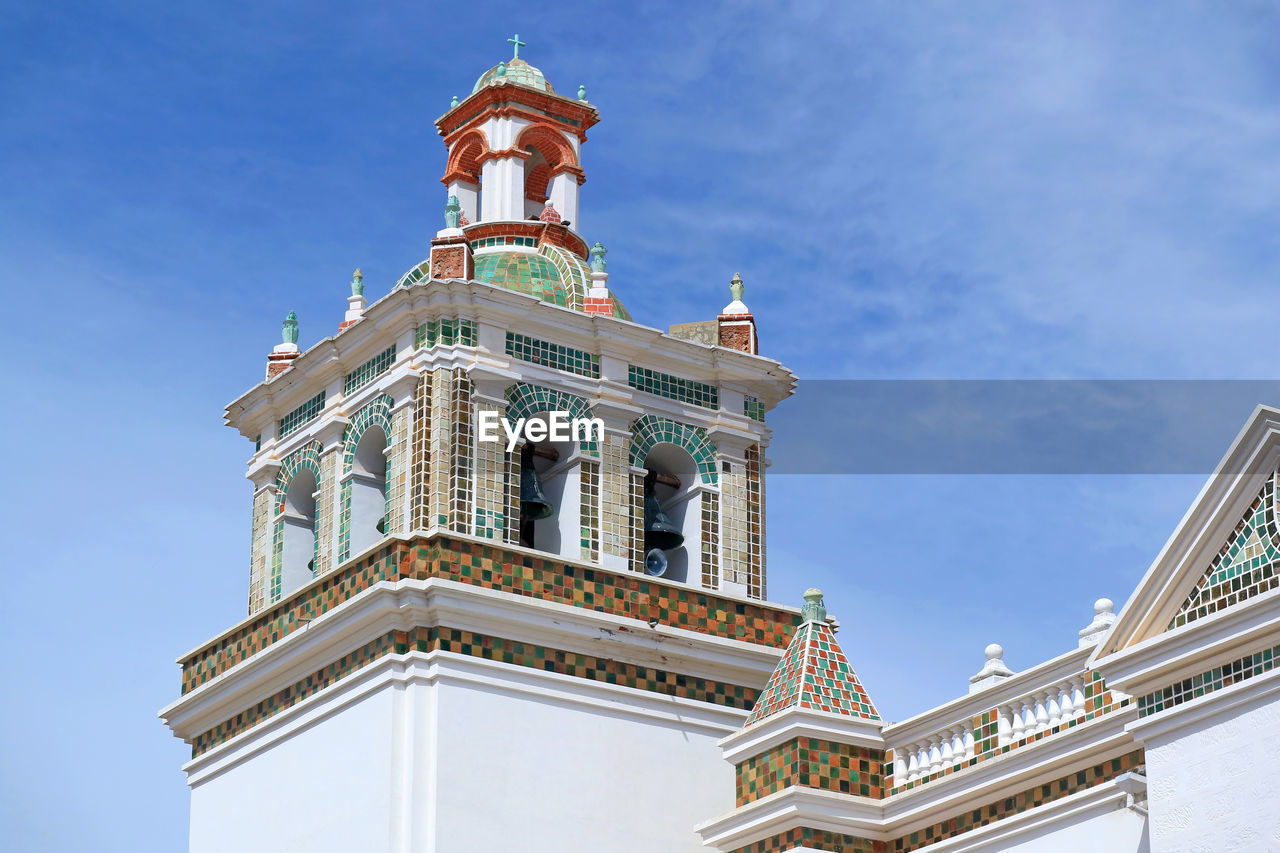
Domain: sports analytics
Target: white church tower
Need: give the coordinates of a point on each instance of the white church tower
(451, 646)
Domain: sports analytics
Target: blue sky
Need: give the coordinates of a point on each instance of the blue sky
(960, 191)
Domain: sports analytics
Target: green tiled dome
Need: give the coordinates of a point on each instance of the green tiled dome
(552, 274)
(518, 72)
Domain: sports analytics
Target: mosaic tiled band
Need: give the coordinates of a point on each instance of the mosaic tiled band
(1209, 681)
(811, 763)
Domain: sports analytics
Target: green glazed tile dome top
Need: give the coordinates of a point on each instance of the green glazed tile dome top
(539, 274)
(518, 72)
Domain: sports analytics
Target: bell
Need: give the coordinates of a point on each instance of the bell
(533, 503)
(659, 532)
(656, 562)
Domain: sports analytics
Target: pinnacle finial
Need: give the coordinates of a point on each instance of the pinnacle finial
(454, 102)
(736, 287)
(357, 283)
(502, 69)
(515, 40)
(582, 93)
(598, 263)
(452, 212)
(814, 610)
(289, 331)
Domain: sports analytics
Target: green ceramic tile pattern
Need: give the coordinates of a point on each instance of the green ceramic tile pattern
(1098, 701)
(1029, 798)
(523, 272)
(455, 641)
(505, 240)
(814, 674)
(257, 443)
(622, 593)
(575, 274)
(304, 457)
(546, 353)
(524, 400)
(753, 408)
(415, 275)
(370, 370)
(589, 510)
(447, 331)
(1037, 795)
(673, 387)
(1244, 567)
(651, 430)
(300, 416)
(1209, 681)
(811, 763)
(376, 413)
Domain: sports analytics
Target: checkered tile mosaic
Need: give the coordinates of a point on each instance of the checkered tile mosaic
(755, 523)
(523, 272)
(650, 430)
(1245, 566)
(753, 408)
(568, 359)
(301, 416)
(369, 371)
(806, 838)
(1209, 681)
(626, 594)
(814, 674)
(438, 638)
(673, 387)
(447, 331)
(811, 763)
(376, 413)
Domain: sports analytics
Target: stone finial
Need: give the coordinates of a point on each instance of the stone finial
(502, 69)
(453, 103)
(452, 212)
(289, 331)
(598, 263)
(993, 671)
(814, 610)
(582, 93)
(1103, 618)
(357, 283)
(736, 287)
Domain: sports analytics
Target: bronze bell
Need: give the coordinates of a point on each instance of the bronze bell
(659, 532)
(533, 503)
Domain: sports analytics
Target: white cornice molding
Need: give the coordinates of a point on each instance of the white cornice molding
(1190, 649)
(1200, 711)
(409, 604)
(1209, 520)
(800, 722)
(939, 800)
(448, 668)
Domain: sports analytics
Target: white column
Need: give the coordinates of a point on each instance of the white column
(503, 182)
(564, 198)
(468, 196)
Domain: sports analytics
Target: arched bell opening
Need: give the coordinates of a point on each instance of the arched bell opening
(537, 180)
(672, 513)
(550, 493)
(297, 559)
(368, 479)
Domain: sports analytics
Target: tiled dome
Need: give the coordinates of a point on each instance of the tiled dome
(518, 72)
(551, 274)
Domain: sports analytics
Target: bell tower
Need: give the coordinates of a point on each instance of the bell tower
(543, 633)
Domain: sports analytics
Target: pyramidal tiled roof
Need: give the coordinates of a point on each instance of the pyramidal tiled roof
(814, 674)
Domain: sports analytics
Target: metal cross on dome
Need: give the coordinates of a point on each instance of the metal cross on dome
(518, 44)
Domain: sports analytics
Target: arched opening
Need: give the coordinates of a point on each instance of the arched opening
(297, 559)
(537, 179)
(673, 511)
(462, 174)
(368, 479)
(554, 487)
(551, 171)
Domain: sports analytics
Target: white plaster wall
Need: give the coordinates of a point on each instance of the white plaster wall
(547, 777)
(1213, 787)
(1121, 830)
(324, 788)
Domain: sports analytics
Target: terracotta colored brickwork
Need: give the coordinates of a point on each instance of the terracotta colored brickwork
(737, 337)
(436, 638)
(811, 763)
(451, 262)
(619, 593)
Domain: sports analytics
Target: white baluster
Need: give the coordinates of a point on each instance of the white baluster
(1004, 725)
(913, 762)
(900, 764)
(935, 755)
(967, 740)
(948, 749)
(1042, 713)
(1053, 708)
(1077, 696)
(957, 745)
(1026, 722)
